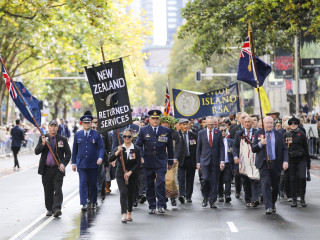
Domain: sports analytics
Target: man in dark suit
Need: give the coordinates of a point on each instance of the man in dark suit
(226, 174)
(210, 157)
(157, 152)
(63, 129)
(186, 149)
(17, 135)
(52, 174)
(250, 185)
(87, 156)
(239, 125)
(272, 148)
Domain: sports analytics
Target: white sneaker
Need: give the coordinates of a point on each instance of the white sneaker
(290, 200)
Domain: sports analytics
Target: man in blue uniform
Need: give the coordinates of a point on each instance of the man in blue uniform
(155, 141)
(87, 155)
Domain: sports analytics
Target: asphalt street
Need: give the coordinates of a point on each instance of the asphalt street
(22, 213)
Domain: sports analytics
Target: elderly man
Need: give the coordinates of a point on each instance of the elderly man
(272, 156)
(63, 129)
(52, 174)
(157, 145)
(210, 158)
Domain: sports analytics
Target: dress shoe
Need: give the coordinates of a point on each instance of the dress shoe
(228, 199)
(84, 208)
(255, 204)
(212, 205)
(221, 199)
(237, 195)
(189, 200)
(248, 204)
(161, 210)
(268, 211)
(294, 202)
(49, 214)
(135, 203)
(205, 202)
(181, 199)
(143, 199)
(57, 213)
(94, 205)
(274, 209)
(152, 211)
(303, 202)
(173, 202)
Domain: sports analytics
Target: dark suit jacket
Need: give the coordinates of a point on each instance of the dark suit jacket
(61, 151)
(281, 150)
(181, 149)
(66, 129)
(230, 152)
(234, 130)
(17, 134)
(130, 164)
(205, 153)
(154, 149)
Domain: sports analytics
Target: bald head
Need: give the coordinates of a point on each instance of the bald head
(242, 117)
(268, 123)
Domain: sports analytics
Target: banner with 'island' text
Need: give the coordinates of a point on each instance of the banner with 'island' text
(221, 102)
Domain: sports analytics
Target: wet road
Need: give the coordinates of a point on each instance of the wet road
(22, 213)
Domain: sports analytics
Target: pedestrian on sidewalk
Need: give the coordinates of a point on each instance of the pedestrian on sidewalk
(52, 174)
(17, 134)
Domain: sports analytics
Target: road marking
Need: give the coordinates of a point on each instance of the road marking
(41, 226)
(19, 171)
(232, 227)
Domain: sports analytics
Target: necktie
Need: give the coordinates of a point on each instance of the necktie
(186, 143)
(248, 134)
(155, 131)
(269, 146)
(210, 138)
(86, 136)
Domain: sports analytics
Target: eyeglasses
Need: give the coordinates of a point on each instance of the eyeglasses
(127, 136)
(223, 130)
(293, 123)
(95, 122)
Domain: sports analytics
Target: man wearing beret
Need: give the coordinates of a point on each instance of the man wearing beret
(155, 142)
(52, 174)
(87, 155)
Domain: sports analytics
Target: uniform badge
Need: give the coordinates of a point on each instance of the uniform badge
(192, 142)
(260, 136)
(60, 143)
(132, 156)
(93, 141)
(163, 139)
(229, 149)
(147, 135)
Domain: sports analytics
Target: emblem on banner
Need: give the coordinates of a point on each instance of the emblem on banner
(187, 103)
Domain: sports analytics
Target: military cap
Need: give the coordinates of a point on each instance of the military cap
(53, 122)
(293, 120)
(183, 120)
(154, 113)
(86, 118)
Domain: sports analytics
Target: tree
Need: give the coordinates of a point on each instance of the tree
(217, 24)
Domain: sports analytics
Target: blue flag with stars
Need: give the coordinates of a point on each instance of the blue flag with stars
(245, 68)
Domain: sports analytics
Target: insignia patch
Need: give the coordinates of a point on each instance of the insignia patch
(147, 135)
(60, 143)
(163, 139)
(193, 142)
(93, 141)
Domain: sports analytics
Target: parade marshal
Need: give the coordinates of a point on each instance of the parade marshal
(157, 151)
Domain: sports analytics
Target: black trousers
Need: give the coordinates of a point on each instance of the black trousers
(141, 183)
(186, 181)
(225, 178)
(251, 189)
(297, 172)
(270, 181)
(15, 151)
(52, 180)
(127, 192)
(210, 175)
(237, 181)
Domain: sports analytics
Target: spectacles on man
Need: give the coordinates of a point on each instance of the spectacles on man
(293, 123)
(223, 130)
(127, 136)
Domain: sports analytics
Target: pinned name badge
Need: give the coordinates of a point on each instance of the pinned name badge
(132, 156)
(60, 143)
(162, 139)
(93, 141)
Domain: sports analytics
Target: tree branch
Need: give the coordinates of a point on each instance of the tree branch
(20, 16)
(34, 69)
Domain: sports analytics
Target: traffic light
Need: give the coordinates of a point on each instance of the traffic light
(198, 76)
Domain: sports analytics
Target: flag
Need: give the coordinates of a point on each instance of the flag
(31, 101)
(245, 68)
(167, 102)
(265, 104)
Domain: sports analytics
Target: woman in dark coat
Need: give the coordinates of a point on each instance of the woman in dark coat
(127, 182)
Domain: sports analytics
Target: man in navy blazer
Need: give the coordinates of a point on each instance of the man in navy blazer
(277, 154)
(155, 142)
(87, 155)
(225, 176)
(210, 158)
(17, 135)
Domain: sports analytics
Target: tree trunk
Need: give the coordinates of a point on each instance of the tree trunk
(65, 108)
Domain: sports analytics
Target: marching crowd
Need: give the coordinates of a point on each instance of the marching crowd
(155, 159)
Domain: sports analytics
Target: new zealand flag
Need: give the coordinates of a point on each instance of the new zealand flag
(245, 68)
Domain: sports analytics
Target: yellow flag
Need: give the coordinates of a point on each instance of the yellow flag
(264, 100)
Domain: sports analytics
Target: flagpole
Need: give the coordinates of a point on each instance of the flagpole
(169, 87)
(42, 135)
(253, 59)
(117, 130)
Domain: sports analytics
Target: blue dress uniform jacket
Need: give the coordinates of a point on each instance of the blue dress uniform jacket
(155, 147)
(86, 152)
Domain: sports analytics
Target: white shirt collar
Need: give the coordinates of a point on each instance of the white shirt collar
(131, 146)
(87, 132)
